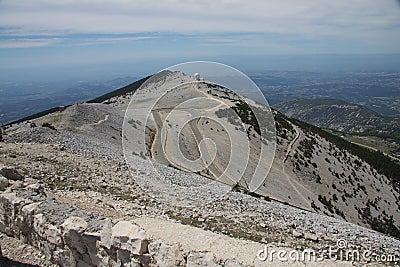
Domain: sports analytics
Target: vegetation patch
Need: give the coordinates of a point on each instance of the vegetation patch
(49, 125)
(383, 164)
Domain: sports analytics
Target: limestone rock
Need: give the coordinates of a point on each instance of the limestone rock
(27, 212)
(36, 188)
(90, 240)
(297, 234)
(74, 223)
(166, 255)
(3, 183)
(16, 185)
(38, 224)
(197, 259)
(11, 219)
(30, 209)
(128, 236)
(106, 233)
(53, 235)
(72, 230)
(311, 237)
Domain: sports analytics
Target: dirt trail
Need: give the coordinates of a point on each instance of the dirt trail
(295, 184)
(291, 144)
(103, 120)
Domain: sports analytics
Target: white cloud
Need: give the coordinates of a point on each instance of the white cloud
(187, 16)
(371, 21)
(28, 42)
(112, 40)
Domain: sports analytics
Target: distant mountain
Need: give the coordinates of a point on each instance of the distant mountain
(16, 105)
(339, 115)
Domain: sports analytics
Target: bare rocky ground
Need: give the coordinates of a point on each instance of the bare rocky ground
(69, 193)
(96, 184)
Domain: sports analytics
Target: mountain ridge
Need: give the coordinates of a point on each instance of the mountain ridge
(338, 115)
(352, 122)
(115, 93)
(309, 171)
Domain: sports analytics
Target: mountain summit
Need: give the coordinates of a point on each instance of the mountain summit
(82, 198)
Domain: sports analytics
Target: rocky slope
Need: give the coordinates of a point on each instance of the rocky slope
(71, 164)
(310, 170)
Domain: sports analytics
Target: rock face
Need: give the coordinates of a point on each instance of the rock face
(3, 183)
(166, 255)
(128, 237)
(197, 259)
(77, 241)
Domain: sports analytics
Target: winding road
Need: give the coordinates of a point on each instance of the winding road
(215, 171)
(158, 152)
(291, 144)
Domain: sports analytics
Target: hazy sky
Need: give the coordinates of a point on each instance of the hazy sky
(51, 34)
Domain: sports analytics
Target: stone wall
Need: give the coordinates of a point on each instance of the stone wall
(84, 240)
(72, 237)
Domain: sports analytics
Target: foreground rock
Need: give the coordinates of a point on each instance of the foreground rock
(78, 240)
(3, 183)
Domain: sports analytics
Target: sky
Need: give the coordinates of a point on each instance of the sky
(105, 39)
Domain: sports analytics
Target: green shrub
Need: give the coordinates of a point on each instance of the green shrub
(48, 125)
